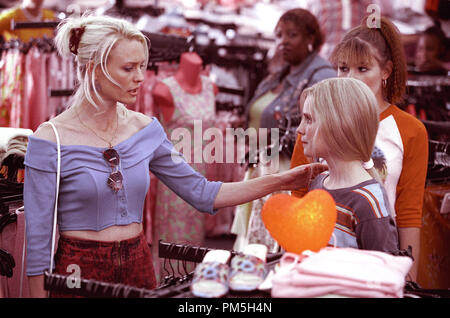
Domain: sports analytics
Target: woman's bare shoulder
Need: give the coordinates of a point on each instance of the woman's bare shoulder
(138, 120)
(45, 131)
(61, 122)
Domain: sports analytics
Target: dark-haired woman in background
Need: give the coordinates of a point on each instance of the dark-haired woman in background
(432, 52)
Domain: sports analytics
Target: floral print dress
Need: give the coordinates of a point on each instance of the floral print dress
(175, 221)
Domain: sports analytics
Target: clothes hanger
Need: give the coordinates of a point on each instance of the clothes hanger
(6, 264)
(7, 218)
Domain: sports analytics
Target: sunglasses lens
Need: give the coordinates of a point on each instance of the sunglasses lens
(115, 181)
(115, 178)
(112, 157)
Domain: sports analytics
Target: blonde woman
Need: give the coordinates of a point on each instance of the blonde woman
(339, 124)
(107, 152)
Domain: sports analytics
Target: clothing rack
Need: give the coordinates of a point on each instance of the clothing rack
(428, 96)
(97, 289)
(224, 106)
(69, 92)
(60, 92)
(230, 107)
(183, 252)
(164, 47)
(121, 9)
(195, 254)
(249, 57)
(13, 197)
(216, 25)
(6, 218)
(33, 25)
(14, 163)
(5, 202)
(7, 263)
(91, 288)
(45, 44)
(438, 171)
(232, 91)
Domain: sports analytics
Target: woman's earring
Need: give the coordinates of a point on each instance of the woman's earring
(310, 48)
(384, 83)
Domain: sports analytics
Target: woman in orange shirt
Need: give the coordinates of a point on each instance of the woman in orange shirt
(375, 55)
(28, 11)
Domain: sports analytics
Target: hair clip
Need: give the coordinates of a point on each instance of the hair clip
(368, 164)
(75, 38)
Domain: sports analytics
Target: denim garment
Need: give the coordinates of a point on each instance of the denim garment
(293, 86)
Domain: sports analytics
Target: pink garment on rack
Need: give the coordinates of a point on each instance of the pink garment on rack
(175, 220)
(54, 82)
(345, 272)
(35, 102)
(12, 240)
(62, 76)
(17, 93)
(11, 88)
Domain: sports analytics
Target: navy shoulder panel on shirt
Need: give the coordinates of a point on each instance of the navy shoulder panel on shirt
(371, 202)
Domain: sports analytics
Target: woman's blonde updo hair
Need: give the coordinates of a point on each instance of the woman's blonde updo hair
(94, 37)
(347, 116)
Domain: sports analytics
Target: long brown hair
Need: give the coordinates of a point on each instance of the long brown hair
(382, 43)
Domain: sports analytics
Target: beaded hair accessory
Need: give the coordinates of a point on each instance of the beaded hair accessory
(75, 38)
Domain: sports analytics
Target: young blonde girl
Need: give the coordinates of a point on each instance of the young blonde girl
(339, 125)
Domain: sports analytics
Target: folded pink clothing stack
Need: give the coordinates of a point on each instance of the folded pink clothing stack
(341, 272)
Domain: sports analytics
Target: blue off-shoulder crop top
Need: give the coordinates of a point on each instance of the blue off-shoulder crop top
(86, 202)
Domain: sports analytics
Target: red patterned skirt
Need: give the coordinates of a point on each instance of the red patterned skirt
(127, 262)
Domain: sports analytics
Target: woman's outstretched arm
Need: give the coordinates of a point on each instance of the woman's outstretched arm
(235, 193)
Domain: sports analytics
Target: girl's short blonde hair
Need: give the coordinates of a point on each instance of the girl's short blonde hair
(347, 115)
(99, 35)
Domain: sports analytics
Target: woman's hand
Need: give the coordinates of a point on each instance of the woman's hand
(300, 176)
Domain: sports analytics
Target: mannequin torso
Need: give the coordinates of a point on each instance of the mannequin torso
(187, 76)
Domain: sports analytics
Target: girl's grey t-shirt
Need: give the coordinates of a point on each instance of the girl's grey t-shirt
(363, 217)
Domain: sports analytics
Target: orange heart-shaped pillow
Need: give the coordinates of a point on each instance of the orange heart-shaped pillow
(300, 224)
